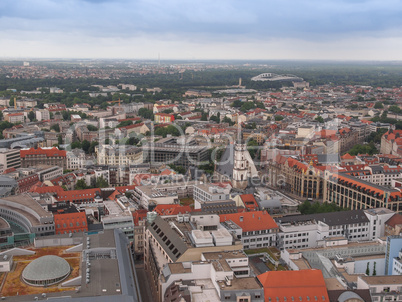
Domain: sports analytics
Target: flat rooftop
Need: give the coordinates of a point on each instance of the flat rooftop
(225, 255)
(383, 280)
(28, 201)
(241, 284)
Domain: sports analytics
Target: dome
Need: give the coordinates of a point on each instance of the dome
(46, 270)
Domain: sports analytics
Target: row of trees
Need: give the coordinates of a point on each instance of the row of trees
(308, 207)
(99, 183)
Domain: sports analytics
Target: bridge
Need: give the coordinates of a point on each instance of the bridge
(276, 77)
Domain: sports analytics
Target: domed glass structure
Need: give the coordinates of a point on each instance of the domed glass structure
(46, 270)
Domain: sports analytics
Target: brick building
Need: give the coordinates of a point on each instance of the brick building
(43, 156)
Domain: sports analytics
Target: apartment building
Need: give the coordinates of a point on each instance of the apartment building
(219, 276)
(119, 155)
(182, 239)
(43, 156)
(307, 231)
(175, 151)
(210, 192)
(10, 158)
(255, 229)
(350, 192)
(75, 159)
(299, 178)
(382, 288)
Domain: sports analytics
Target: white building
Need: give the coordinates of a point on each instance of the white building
(42, 115)
(382, 288)
(75, 159)
(209, 192)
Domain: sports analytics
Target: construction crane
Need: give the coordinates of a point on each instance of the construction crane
(118, 101)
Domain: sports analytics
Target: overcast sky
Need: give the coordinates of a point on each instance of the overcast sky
(202, 29)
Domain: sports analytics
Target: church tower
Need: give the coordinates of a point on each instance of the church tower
(241, 164)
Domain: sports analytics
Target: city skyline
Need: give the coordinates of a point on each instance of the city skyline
(202, 30)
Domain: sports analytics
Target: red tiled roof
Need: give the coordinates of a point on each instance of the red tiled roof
(132, 126)
(348, 156)
(39, 188)
(52, 152)
(172, 209)
(15, 114)
(249, 201)
(251, 221)
(77, 195)
(394, 220)
(294, 285)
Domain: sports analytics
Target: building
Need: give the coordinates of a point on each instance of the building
(219, 276)
(350, 192)
(119, 155)
(308, 231)
(394, 225)
(176, 151)
(42, 115)
(28, 214)
(106, 270)
(303, 285)
(236, 166)
(80, 197)
(162, 118)
(299, 178)
(70, 222)
(27, 182)
(117, 217)
(8, 186)
(382, 288)
(174, 239)
(48, 173)
(10, 158)
(75, 159)
(149, 196)
(43, 156)
(391, 142)
(394, 247)
(14, 118)
(255, 229)
(209, 192)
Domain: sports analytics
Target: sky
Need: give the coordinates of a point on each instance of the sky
(202, 29)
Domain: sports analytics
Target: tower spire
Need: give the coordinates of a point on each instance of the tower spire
(238, 132)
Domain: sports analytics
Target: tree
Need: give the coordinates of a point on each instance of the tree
(76, 145)
(80, 185)
(227, 120)
(252, 147)
(85, 145)
(124, 124)
(92, 128)
(146, 113)
(55, 127)
(178, 169)
(378, 105)
(66, 115)
(59, 139)
(214, 118)
(92, 147)
(374, 270)
(319, 119)
(278, 117)
(101, 182)
(246, 106)
(204, 116)
(31, 115)
(368, 269)
(394, 109)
